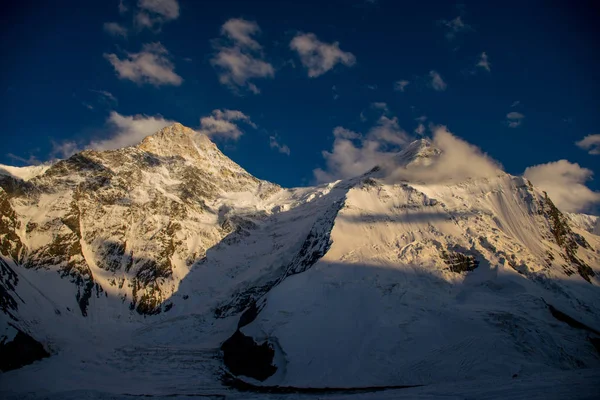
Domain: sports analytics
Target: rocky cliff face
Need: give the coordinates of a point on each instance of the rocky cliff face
(133, 220)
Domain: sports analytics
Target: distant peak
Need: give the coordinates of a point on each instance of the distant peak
(419, 152)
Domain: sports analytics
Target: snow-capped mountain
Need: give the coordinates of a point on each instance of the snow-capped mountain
(167, 258)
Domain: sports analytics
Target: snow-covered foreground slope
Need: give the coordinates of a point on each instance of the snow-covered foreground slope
(134, 268)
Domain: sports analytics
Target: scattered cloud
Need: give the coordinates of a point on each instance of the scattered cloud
(282, 148)
(455, 26)
(372, 87)
(224, 124)
(590, 143)
(400, 86)
(319, 57)
(239, 57)
(335, 93)
(152, 14)
(436, 81)
(106, 97)
(565, 184)
(115, 29)
(151, 65)
(380, 105)
(514, 119)
(484, 62)
(515, 104)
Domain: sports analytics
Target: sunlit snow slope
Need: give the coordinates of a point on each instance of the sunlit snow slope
(144, 261)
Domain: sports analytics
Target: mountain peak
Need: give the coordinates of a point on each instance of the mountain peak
(420, 152)
(177, 139)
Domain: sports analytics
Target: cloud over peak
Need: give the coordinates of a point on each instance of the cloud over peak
(565, 184)
(151, 65)
(239, 56)
(319, 57)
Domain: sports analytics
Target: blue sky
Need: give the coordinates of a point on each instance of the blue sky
(274, 79)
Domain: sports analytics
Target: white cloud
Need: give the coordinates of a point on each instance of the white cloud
(354, 154)
(115, 29)
(565, 184)
(348, 159)
(387, 131)
(282, 148)
(484, 62)
(240, 59)
(457, 161)
(123, 130)
(400, 86)
(515, 103)
(222, 123)
(437, 83)
(455, 26)
(319, 57)
(151, 65)
(152, 14)
(241, 31)
(514, 119)
(128, 130)
(590, 143)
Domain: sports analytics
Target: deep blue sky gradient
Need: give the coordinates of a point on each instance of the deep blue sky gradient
(543, 54)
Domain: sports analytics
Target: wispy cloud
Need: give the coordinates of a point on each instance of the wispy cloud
(225, 124)
(590, 143)
(152, 65)
(400, 86)
(106, 97)
(484, 62)
(115, 29)
(565, 184)
(455, 26)
(239, 57)
(515, 104)
(514, 119)
(319, 57)
(152, 14)
(275, 144)
(436, 82)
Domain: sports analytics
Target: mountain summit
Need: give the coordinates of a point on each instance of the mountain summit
(169, 259)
